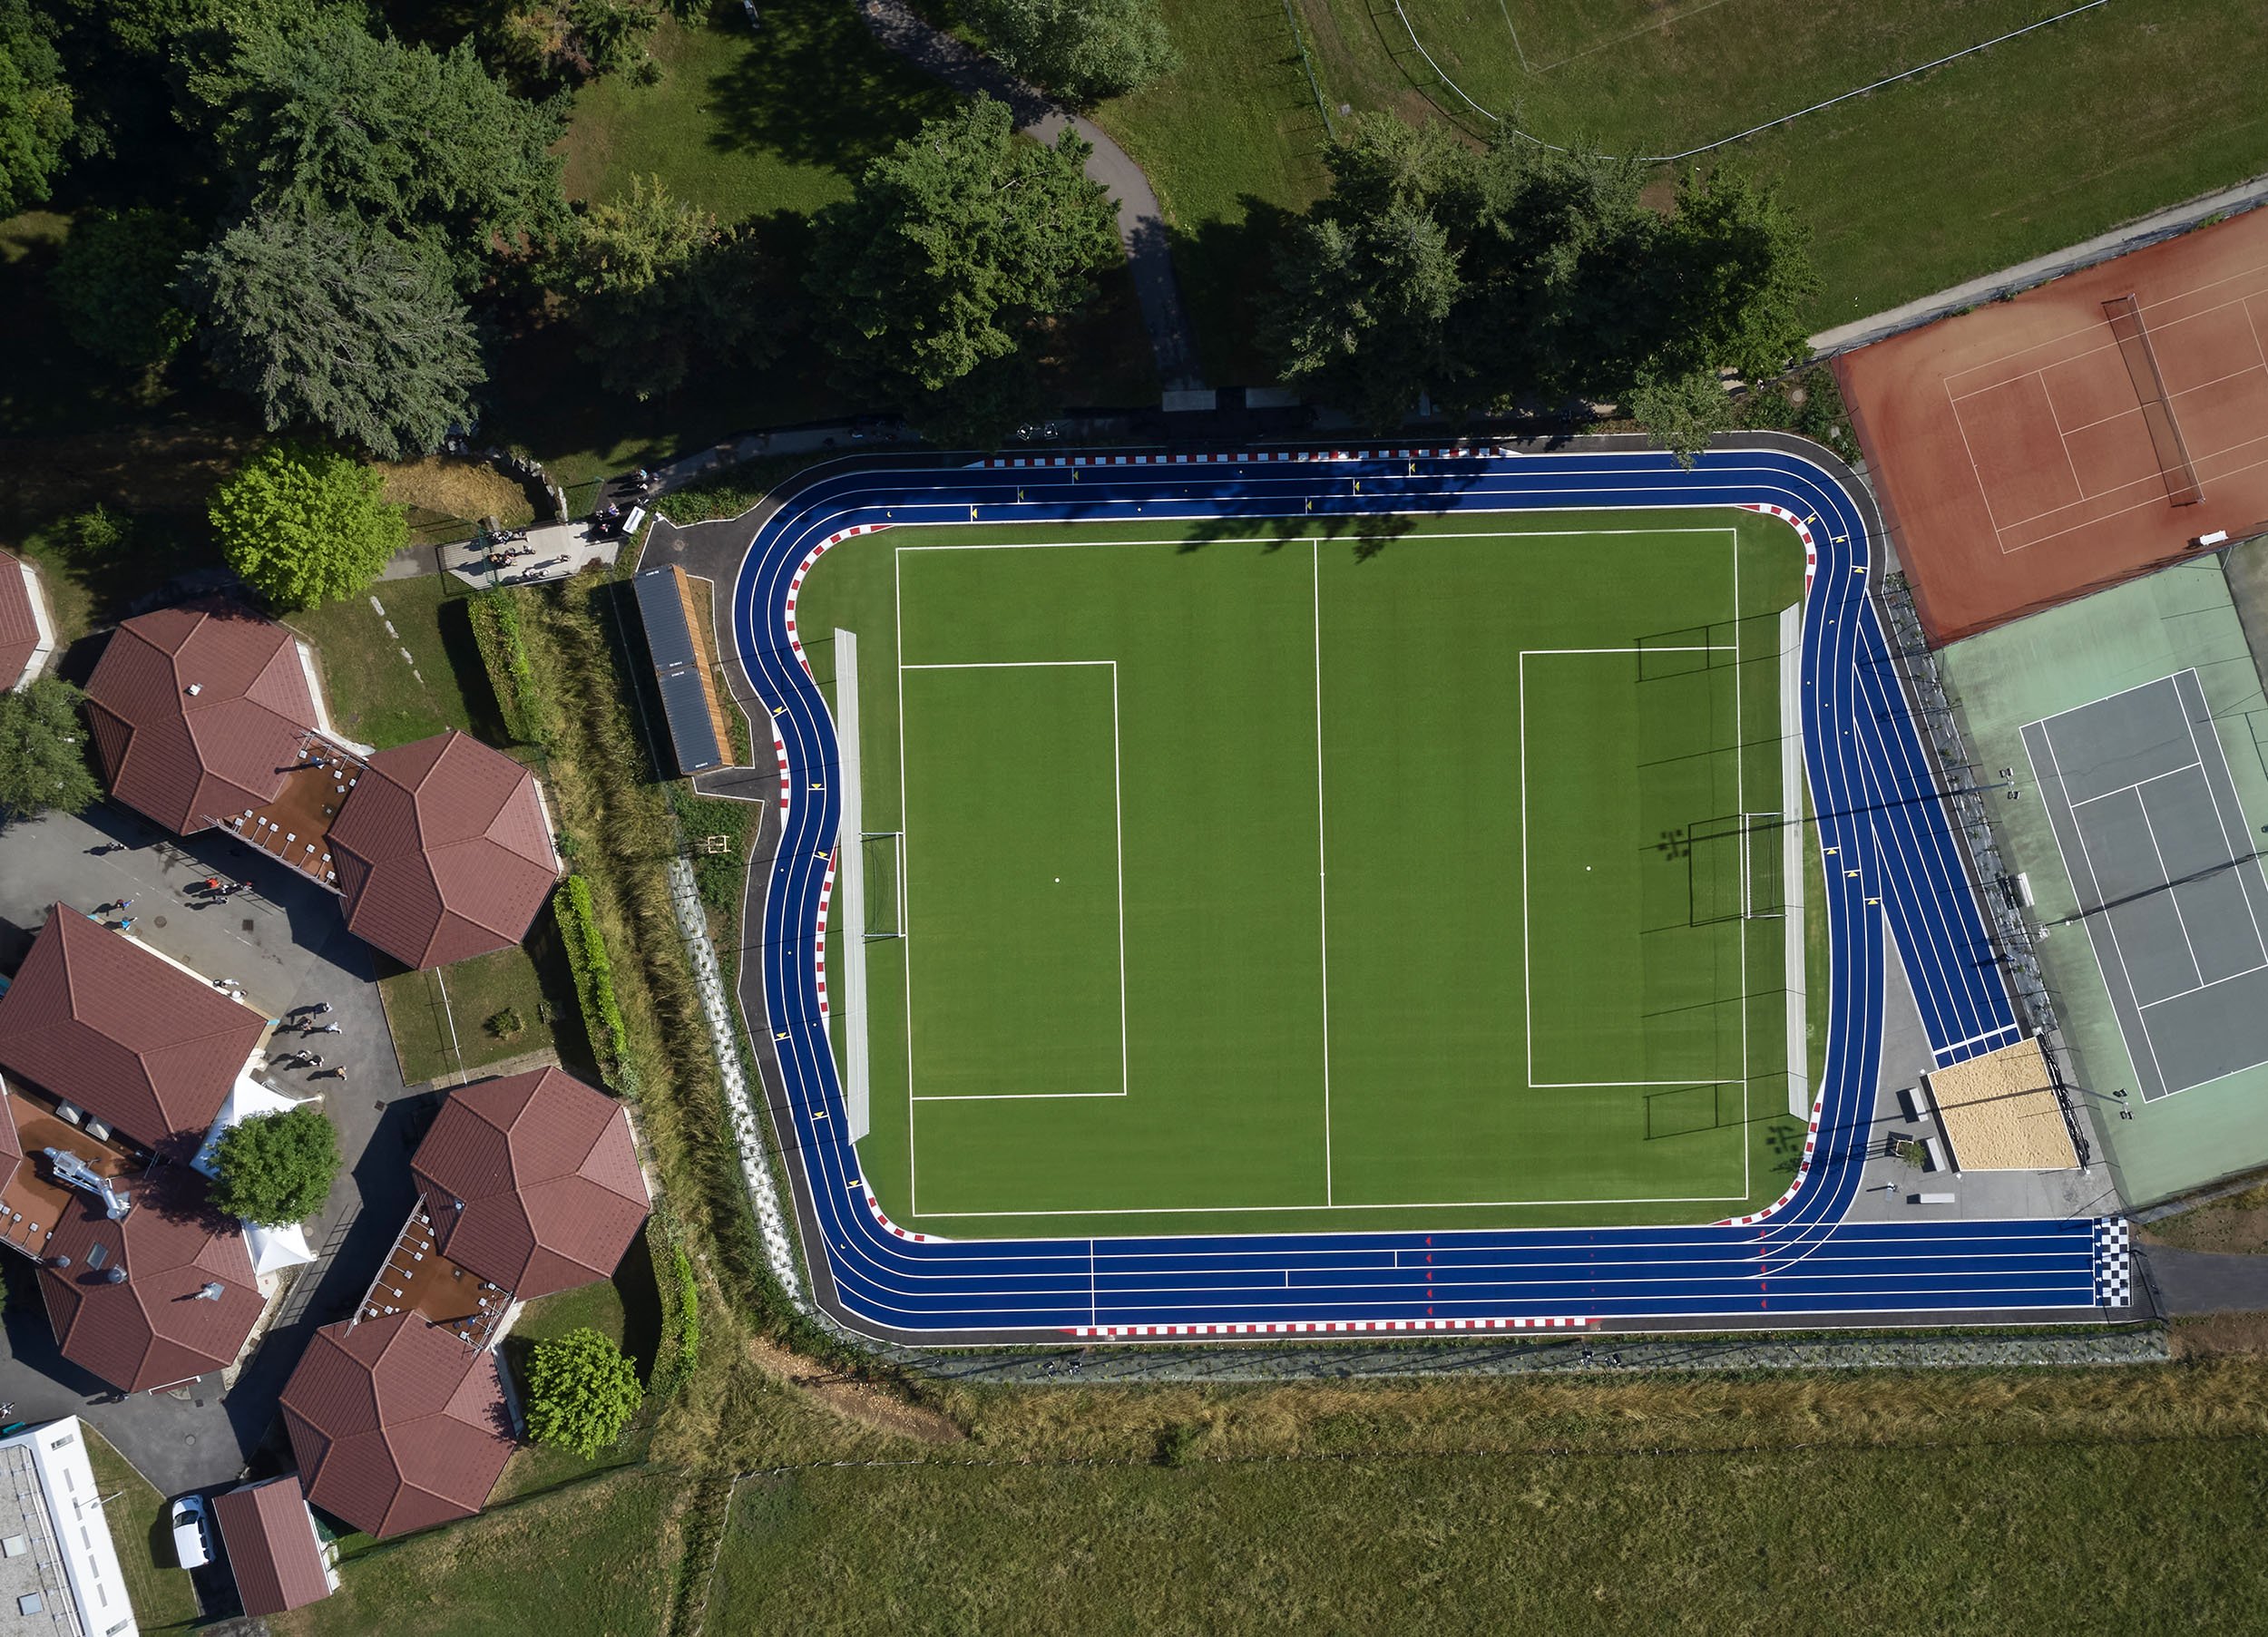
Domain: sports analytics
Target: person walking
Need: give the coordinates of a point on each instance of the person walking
(329, 1029)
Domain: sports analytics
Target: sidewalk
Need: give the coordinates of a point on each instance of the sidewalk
(550, 551)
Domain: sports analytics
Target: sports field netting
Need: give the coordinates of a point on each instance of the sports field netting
(1305, 883)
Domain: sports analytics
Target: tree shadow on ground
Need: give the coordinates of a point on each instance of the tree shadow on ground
(1226, 269)
(820, 90)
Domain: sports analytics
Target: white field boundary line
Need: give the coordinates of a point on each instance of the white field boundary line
(1527, 1001)
(2166, 878)
(1323, 868)
(1117, 807)
(1803, 529)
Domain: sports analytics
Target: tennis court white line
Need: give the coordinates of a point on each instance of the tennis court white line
(1323, 867)
(2201, 988)
(2166, 876)
(2149, 503)
(2213, 796)
(2138, 783)
(2047, 737)
(2255, 271)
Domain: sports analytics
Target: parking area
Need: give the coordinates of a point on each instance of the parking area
(2159, 854)
(284, 940)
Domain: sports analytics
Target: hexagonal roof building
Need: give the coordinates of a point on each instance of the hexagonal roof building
(95, 1019)
(186, 1303)
(397, 1423)
(443, 850)
(532, 1180)
(199, 711)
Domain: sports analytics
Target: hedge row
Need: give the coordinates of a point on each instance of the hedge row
(505, 655)
(680, 1347)
(594, 979)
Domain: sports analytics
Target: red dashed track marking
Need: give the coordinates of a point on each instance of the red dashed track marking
(1802, 532)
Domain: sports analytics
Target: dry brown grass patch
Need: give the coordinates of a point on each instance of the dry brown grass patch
(440, 489)
(869, 1405)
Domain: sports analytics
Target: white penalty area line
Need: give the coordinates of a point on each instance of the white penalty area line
(1118, 809)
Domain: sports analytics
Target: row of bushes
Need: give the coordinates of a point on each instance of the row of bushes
(504, 649)
(594, 981)
(680, 1347)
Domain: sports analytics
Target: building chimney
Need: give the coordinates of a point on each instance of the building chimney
(115, 1273)
(211, 1290)
(195, 689)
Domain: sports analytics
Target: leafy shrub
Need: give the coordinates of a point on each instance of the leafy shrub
(594, 981)
(506, 1024)
(582, 1392)
(521, 700)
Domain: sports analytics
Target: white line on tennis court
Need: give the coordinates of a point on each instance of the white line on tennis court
(2201, 988)
(2196, 966)
(1323, 865)
(2095, 884)
(2138, 783)
(2213, 796)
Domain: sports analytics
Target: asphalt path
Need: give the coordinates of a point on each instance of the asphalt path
(1895, 869)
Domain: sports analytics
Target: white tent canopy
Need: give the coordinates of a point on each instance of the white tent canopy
(271, 1248)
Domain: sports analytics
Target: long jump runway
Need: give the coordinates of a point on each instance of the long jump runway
(1894, 868)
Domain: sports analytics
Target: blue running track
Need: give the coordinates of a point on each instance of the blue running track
(1894, 865)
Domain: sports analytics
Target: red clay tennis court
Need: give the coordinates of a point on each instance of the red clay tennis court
(2081, 433)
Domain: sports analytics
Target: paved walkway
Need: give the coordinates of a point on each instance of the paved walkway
(2207, 1281)
(2134, 236)
(1141, 225)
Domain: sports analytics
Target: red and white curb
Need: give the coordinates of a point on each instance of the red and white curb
(803, 569)
(1329, 1327)
(779, 748)
(1803, 1170)
(1249, 458)
(890, 1227)
(1802, 527)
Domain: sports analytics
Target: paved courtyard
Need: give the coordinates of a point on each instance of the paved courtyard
(285, 941)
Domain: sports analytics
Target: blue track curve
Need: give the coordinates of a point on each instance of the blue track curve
(1896, 865)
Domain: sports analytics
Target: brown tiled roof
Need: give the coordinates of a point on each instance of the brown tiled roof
(532, 1180)
(397, 1423)
(272, 1550)
(187, 759)
(442, 850)
(94, 1018)
(19, 630)
(152, 1328)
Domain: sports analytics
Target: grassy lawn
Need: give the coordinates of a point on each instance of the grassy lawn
(1836, 1540)
(1232, 145)
(380, 697)
(596, 1560)
(162, 1595)
(420, 1006)
(2038, 143)
(627, 1311)
(1646, 1014)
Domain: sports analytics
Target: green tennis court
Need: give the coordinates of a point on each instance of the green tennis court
(1299, 882)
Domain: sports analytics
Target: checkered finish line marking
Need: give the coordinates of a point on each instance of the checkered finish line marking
(2114, 1262)
(1330, 1326)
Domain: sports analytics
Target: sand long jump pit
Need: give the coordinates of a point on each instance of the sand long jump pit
(2083, 431)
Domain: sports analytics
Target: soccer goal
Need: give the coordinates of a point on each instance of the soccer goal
(1736, 868)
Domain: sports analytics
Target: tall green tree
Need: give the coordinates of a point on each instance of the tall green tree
(1083, 49)
(1367, 283)
(955, 247)
(302, 525)
(277, 1168)
(43, 752)
(325, 325)
(1522, 277)
(660, 283)
(114, 284)
(582, 1392)
(424, 147)
(36, 107)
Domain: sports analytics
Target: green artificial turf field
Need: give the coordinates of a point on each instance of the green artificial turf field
(1304, 881)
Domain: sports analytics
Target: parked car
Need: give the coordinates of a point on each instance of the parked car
(192, 1546)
